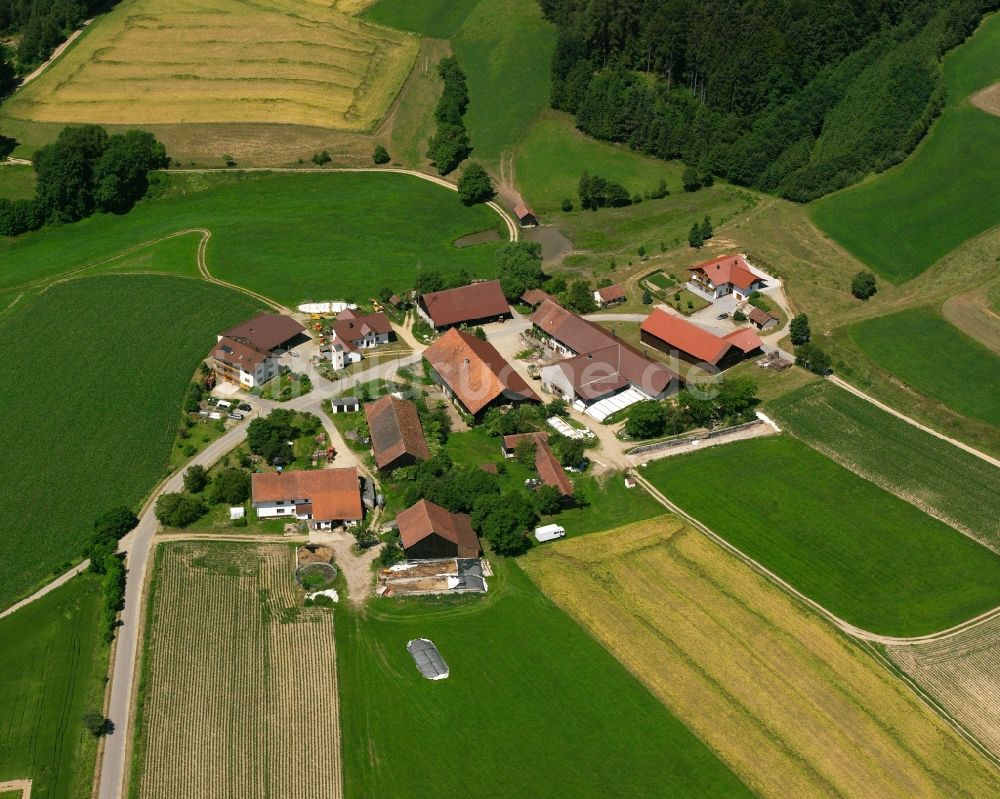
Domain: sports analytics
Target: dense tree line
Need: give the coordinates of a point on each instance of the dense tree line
(450, 144)
(795, 98)
(42, 25)
(83, 171)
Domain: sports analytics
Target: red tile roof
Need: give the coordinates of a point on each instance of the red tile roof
(395, 430)
(425, 518)
(510, 442)
(475, 372)
(350, 327)
(238, 355)
(759, 316)
(465, 304)
(744, 338)
(611, 293)
(334, 494)
(731, 269)
(521, 211)
(551, 471)
(265, 331)
(685, 336)
(535, 297)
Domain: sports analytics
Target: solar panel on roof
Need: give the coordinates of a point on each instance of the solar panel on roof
(428, 659)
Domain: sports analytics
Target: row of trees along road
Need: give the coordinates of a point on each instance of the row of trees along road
(798, 99)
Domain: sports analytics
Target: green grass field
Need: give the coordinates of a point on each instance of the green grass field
(867, 556)
(934, 357)
(17, 182)
(291, 237)
(904, 220)
(554, 154)
(534, 704)
(53, 668)
(101, 365)
(930, 473)
(438, 19)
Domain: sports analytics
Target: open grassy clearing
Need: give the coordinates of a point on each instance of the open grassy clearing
(293, 62)
(935, 358)
(532, 698)
(962, 673)
(291, 237)
(865, 555)
(17, 182)
(771, 383)
(96, 404)
(934, 475)
(549, 161)
(440, 19)
(794, 707)
(53, 668)
(235, 672)
(904, 220)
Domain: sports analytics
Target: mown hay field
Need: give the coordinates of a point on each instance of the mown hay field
(794, 707)
(934, 475)
(962, 673)
(867, 556)
(937, 359)
(171, 61)
(101, 367)
(52, 668)
(533, 706)
(239, 694)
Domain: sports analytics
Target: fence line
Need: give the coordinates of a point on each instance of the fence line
(676, 442)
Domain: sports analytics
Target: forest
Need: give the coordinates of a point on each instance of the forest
(797, 98)
(38, 27)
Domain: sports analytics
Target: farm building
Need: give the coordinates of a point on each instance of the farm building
(692, 344)
(325, 498)
(525, 216)
(352, 333)
(428, 531)
(508, 444)
(535, 297)
(475, 304)
(396, 434)
(550, 471)
(601, 374)
(730, 274)
(440, 576)
(761, 319)
(609, 295)
(474, 375)
(345, 405)
(247, 355)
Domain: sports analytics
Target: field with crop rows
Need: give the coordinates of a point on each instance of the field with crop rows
(533, 706)
(178, 61)
(52, 668)
(290, 237)
(962, 672)
(239, 682)
(101, 366)
(934, 475)
(867, 556)
(794, 707)
(937, 359)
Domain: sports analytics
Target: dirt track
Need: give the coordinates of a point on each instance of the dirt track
(988, 99)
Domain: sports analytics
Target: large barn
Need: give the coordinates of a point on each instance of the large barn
(429, 531)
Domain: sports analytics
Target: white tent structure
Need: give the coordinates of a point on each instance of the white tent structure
(428, 659)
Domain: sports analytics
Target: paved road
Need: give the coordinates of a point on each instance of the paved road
(137, 546)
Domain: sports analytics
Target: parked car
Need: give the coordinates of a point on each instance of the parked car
(237, 416)
(724, 315)
(212, 400)
(245, 406)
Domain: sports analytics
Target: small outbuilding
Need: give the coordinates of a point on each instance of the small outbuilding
(345, 405)
(609, 295)
(525, 216)
(549, 532)
(428, 659)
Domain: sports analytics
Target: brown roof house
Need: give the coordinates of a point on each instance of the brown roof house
(535, 297)
(761, 319)
(396, 434)
(525, 216)
(602, 374)
(609, 295)
(247, 355)
(325, 498)
(352, 333)
(694, 345)
(474, 374)
(475, 304)
(429, 531)
(729, 274)
(547, 464)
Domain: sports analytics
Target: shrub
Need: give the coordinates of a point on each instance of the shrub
(95, 723)
(195, 479)
(381, 155)
(179, 510)
(739, 316)
(567, 205)
(811, 357)
(863, 285)
(475, 186)
(321, 159)
(799, 329)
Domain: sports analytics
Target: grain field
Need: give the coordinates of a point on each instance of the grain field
(180, 61)
(239, 695)
(793, 706)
